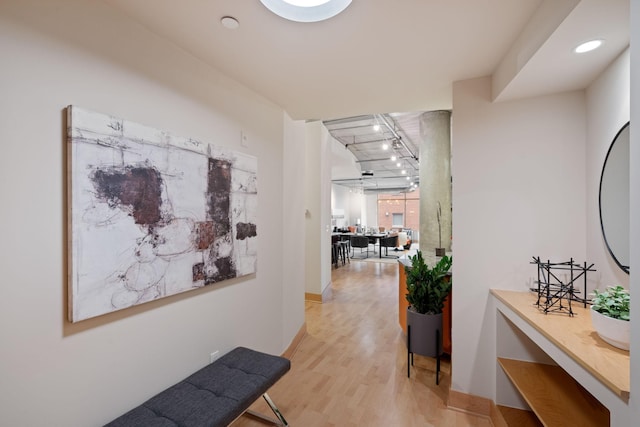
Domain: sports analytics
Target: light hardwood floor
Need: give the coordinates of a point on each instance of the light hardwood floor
(351, 367)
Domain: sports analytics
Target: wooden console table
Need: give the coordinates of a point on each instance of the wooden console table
(549, 362)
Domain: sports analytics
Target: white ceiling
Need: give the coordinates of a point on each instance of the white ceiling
(382, 56)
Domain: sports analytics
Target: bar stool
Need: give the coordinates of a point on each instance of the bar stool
(344, 251)
(345, 241)
(335, 250)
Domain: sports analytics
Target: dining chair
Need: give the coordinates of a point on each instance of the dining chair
(361, 242)
(386, 243)
(402, 239)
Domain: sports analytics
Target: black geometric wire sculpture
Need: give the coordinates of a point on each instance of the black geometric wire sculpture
(554, 295)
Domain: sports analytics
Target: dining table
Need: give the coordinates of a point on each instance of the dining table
(374, 238)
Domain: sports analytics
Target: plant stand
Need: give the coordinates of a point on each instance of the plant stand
(410, 354)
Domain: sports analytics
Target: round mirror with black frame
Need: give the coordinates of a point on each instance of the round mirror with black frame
(614, 199)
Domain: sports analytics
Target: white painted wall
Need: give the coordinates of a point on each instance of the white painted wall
(608, 110)
(324, 140)
(634, 278)
(357, 207)
(313, 209)
(318, 208)
(344, 166)
(518, 191)
(370, 218)
(293, 229)
(340, 203)
(485, 202)
(352, 202)
(57, 53)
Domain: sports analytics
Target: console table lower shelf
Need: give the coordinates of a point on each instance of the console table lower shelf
(557, 366)
(553, 395)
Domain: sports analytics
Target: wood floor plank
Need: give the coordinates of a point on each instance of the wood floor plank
(350, 369)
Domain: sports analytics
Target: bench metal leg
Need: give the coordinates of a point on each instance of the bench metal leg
(279, 422)
(275, 409)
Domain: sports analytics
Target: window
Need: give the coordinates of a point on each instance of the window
(397, 220)
(399, 210)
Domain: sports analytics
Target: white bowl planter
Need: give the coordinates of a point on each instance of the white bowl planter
(613, 331)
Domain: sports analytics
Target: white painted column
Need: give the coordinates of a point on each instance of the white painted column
(317, 240)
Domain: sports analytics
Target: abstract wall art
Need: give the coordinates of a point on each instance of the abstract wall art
(152, 214)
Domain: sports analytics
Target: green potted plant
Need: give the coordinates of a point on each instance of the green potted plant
(610, 315)
(427, 289)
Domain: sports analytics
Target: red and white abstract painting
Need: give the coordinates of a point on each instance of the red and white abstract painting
(152, 214)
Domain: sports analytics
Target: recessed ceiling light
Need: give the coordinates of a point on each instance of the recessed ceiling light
(393, 158)
(398, 164)
(306, 10)
(376, 127)
(229, 22)
(588, 46)
(385, 146)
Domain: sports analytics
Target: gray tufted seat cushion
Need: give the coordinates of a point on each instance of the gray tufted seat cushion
(213, 396)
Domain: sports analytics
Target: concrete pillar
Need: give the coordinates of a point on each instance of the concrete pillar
(435, 180)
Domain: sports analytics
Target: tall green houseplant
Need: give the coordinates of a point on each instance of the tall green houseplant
(427, 288)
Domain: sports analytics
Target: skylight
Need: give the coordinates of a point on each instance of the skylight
(306, 3)
(306, 10)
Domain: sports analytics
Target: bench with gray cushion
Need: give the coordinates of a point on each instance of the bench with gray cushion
(215, 395)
